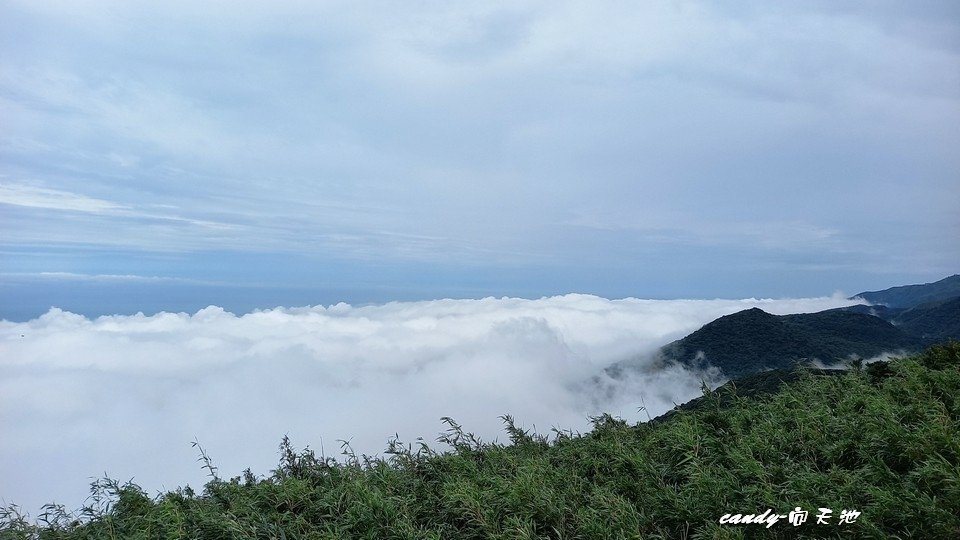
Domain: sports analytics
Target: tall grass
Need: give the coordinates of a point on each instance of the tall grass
(884, 440)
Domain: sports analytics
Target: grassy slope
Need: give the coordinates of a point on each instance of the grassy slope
(883, 441)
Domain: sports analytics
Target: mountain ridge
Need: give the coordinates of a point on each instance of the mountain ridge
(753, 340)
(901, 319)
(908, 296)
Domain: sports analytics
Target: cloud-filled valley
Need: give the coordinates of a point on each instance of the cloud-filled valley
(126, 395)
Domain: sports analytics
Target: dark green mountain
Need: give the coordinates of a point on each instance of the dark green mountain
(909, 296)
(886, 313)
(932, 321)
(753, 340)
(901, 319)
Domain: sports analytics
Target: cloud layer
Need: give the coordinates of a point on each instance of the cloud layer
(126, 395)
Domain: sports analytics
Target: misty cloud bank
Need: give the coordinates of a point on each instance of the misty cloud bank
(126, 395)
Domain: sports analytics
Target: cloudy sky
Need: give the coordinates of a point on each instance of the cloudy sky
(477, 181)
(376, 151)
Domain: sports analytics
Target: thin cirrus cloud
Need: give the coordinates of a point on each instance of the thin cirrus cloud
(70, 217)
(36, 197)
(126, 395)
(29, 196)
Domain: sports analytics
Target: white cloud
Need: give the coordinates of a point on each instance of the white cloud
(68, 216)
(36, 197)
(126, 395)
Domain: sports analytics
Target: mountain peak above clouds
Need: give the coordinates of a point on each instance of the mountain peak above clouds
(908, 296)
(752, 340)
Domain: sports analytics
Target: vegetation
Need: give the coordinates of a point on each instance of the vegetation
(908, 296)
(752, 340)
(904, 318)
(933, 321)
(883, 440)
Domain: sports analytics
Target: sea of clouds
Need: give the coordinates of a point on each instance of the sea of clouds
(126, 395)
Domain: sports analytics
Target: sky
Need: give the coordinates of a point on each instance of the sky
(172, 155)
(227, 222)
(126, 395)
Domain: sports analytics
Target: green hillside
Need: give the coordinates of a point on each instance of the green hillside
(907, 296)
(931, 322)
(752, 340)
(884, 442)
